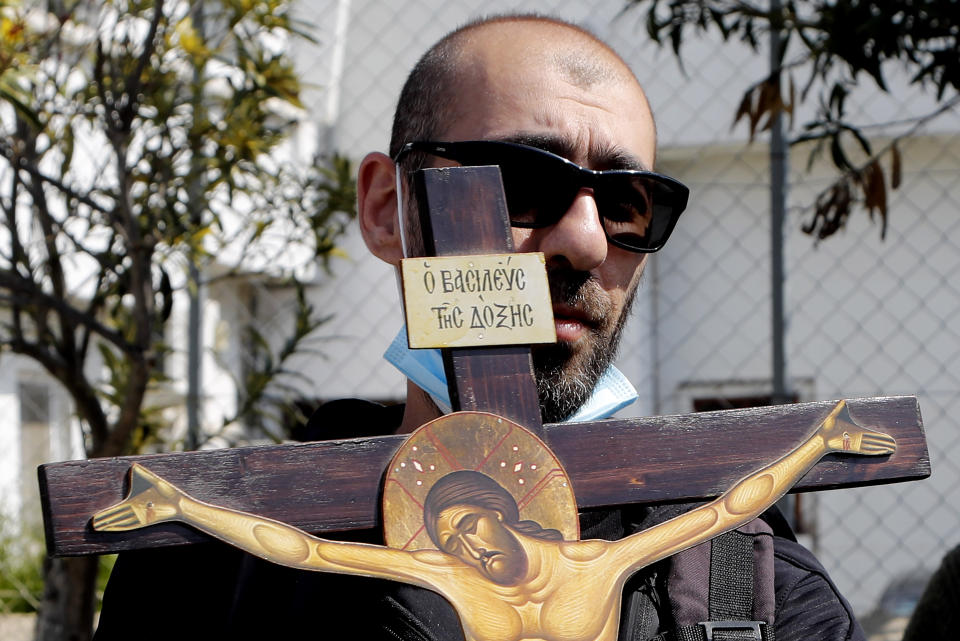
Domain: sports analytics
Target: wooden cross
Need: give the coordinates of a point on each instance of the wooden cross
(335, 485)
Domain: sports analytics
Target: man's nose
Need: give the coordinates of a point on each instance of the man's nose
(578, 237)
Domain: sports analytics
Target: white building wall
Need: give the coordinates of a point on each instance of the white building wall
(55, 439)
(9, 442)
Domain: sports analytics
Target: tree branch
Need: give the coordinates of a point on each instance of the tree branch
(134, 80)
(18, 162)
(18, 255)
(28, 292)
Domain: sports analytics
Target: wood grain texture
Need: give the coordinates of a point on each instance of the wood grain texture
(335, 485)
(498, 380)
(463, 212)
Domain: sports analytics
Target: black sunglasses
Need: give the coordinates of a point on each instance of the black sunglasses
(638, 209)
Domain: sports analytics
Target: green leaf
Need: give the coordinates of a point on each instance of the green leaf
(24, 111)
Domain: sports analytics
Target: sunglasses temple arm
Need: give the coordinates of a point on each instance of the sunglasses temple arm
(400, 199)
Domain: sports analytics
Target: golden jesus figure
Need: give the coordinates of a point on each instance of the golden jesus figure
(508, 579)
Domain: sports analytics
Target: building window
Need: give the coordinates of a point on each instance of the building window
(712, 403)
(34, 446)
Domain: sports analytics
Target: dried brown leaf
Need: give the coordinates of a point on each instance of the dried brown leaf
(831, 210)
(769, 97)
(793, 101)
(896, 167)
(745, 108)
(874, 189)
(756, 110)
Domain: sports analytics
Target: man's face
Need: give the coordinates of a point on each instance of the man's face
(478, 537)
(515, 93)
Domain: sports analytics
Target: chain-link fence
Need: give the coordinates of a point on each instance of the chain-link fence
(864, 316)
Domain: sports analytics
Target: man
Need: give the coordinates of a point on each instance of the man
(552, 86)
(511, 80)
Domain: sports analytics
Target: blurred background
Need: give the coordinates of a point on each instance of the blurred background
(865, 305)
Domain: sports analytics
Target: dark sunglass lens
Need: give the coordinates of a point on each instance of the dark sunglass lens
(521, 195)
(537, 189)
(626, 207)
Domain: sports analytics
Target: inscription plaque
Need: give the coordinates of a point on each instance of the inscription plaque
(477, 301)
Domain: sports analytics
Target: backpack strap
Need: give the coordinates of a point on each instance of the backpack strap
(723, 590)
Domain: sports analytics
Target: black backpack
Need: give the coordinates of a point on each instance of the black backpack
(721, 590)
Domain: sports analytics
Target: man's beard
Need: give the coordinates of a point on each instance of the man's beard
(567, 373)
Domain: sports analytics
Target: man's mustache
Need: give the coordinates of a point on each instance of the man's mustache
(580, 291)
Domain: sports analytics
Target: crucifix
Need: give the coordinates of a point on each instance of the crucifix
(316, 487)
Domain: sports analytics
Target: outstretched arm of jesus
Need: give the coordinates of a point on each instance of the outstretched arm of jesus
(752, 495)
(154, 500)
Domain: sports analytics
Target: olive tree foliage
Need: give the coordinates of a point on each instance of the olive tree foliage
(828, 47)
(138, 138)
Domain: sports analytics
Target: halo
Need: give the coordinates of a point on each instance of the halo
(483, 442)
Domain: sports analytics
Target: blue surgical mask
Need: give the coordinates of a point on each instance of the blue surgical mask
(424, 367)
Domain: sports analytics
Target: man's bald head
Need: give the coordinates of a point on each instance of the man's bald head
(428, 101)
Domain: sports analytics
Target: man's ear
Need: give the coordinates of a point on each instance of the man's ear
(377, 207)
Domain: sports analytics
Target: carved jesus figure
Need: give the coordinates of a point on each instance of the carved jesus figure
(508, 579)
